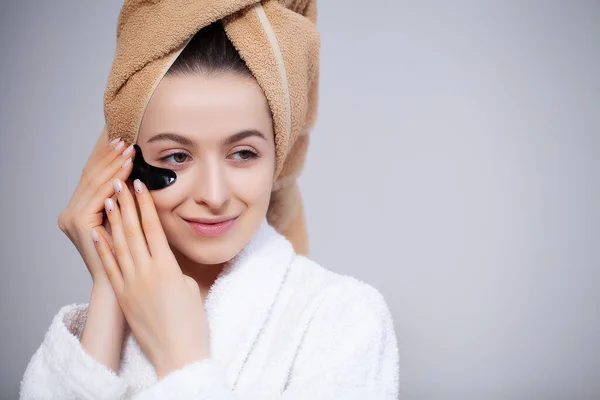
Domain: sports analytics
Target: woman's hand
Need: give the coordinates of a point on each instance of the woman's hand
(85, 209)
(162, 306)
(103, 332)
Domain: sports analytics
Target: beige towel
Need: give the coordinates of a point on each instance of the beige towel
(279, 42)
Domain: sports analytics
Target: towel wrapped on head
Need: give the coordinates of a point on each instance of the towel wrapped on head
(278, 41)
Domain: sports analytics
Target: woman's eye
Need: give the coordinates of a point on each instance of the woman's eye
(244, 155)
(178, 158)
(181, 157)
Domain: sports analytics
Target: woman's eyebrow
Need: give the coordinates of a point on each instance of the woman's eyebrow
(185, 141)
(243, 135)
(173, 137)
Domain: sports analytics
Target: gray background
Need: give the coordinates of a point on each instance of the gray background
(453, 166)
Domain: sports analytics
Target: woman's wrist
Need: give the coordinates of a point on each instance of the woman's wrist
(104, 330)
(178, 359)
(102, 291)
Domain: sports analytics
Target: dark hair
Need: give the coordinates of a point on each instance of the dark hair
(210, 51)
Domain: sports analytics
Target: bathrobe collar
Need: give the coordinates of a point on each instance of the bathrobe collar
(240, 300)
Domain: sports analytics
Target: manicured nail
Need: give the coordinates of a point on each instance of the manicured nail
(126, 163)
(95, 237)
(110, 206)
(120, 145)
(137, 184)
(128, 150)
(118, 186)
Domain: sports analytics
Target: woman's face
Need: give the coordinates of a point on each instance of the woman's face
(216, 133)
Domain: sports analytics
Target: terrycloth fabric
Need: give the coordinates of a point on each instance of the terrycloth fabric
(278, 41)
(281, 327)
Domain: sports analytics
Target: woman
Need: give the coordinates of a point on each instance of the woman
(195, 294)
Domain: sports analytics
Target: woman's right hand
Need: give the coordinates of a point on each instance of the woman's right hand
(85, 210)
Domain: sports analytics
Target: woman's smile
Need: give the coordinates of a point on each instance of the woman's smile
(212, 227)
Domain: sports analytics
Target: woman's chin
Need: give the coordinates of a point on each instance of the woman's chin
(210, 259)
(211, 254)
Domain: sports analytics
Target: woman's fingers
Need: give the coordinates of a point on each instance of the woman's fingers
(94, 181)
(111, 267)
(120, 169)
(98, 160)
(104, 158)
(114, 166)
(130, 225)
(121, 249)
(106, 235)
(155, 235)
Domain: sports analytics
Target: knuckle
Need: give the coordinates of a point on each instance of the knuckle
(61, 222)
(128, 233)
(145, 201)
(110, 273)
(65, 222)
(149, 224)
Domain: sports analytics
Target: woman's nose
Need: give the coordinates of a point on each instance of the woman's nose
(212, 188)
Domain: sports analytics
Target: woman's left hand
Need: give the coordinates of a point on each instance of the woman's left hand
(162, 306)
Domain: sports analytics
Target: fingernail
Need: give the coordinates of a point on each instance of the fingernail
(120, 145)
(110, 206)
(126, 162)
(114, 141)
(117, 185)
(128, 150)
(95, 237)
(137, 184)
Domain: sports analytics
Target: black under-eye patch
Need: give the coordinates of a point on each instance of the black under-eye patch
(154, 178)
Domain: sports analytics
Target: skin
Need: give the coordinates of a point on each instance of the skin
(213, 179)
(161, 305)
(104, 329)
(216, 177)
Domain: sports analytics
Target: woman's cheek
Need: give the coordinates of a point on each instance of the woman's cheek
(165, 201)
(252, 185)
(161, 200)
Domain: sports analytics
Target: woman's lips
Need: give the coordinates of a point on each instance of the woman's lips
(211, 230)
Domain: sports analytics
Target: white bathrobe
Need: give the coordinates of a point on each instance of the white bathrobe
(281, 327)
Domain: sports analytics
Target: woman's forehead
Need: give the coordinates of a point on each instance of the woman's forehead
(206, 107)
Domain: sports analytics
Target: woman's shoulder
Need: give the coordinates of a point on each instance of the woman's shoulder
(346, 329)
(336, 291)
